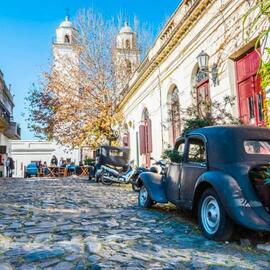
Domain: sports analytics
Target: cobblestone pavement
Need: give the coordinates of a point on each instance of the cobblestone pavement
(74, 224)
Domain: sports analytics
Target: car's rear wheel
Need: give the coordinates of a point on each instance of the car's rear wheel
(144, 199)
(213, 219)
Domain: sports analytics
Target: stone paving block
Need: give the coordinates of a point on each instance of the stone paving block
(75, 224)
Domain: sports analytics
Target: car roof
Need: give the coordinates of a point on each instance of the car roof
(226, 143)
(109, 147)
(213, 130)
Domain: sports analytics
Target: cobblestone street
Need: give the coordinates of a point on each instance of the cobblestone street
(74, 224)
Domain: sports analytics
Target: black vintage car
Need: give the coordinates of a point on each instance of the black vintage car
(111, 156)
(224, 179)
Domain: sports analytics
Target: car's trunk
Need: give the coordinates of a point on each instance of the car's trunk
(260, 178)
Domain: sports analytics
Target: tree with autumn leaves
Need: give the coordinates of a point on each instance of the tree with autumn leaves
(76, 101)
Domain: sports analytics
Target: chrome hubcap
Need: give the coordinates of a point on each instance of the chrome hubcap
(210, 215)
(143, 195)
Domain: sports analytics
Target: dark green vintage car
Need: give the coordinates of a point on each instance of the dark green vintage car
(223, 179)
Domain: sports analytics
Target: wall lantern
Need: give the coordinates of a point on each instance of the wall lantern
(203, 62)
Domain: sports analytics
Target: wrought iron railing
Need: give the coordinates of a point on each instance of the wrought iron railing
(18, 130)
(4, 112)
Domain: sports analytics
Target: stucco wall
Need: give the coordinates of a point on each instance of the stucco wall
(23, 152)
(218, 32)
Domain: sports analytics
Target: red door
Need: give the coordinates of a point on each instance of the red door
(146, 141)
(249, 91)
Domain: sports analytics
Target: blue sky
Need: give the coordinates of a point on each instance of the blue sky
(27, 28)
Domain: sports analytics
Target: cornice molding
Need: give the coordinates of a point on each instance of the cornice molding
(163, 53)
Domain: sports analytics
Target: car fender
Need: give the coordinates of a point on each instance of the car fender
(242, 211)
(155, 186)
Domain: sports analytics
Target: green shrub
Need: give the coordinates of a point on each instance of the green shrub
(172, 155)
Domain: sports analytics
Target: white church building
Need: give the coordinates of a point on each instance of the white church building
(202, 53)
(170, 78)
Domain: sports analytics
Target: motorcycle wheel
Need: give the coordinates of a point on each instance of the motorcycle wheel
(136, 188)
(105, 181)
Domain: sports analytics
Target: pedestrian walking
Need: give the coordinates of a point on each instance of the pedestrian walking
(11, 166)
(7, 165)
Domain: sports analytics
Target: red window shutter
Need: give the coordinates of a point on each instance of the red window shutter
(247, 66)
(128, 139)
(243, 89)
(202, 96)
(254, 60)
(142, 139)
(250, 100)
(149, 136)
(125, 140)
(243, 69)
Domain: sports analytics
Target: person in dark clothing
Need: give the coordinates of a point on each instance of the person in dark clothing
(54, 161)
(7, 164)
(45, 168)
(11, 166)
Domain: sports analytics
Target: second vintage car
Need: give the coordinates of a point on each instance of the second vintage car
(224, 179)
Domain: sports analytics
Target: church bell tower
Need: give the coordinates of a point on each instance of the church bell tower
(127, 55)
(65, 44)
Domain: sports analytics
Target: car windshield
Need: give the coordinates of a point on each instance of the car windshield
(257, 147)
(116, 153)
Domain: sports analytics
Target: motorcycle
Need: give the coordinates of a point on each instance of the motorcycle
(108, 175)
(136, 181)
(111, 165)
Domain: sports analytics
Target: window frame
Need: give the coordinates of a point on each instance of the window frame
(67, 39)
(196, 164)
(176, 147)
(252, 141)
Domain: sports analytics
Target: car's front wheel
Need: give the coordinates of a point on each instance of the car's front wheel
(144, 199)
(213, 219)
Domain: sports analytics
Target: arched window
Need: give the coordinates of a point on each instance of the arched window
(202, 92)
(129, 67)
(67, 39)
(174, 114)
(145, 115)
(127, 44)
(126, 136)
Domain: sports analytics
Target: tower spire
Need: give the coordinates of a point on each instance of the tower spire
(67, 14)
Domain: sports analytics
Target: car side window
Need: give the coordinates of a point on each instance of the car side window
(176, 155)
(196, 151)
(181, 148)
